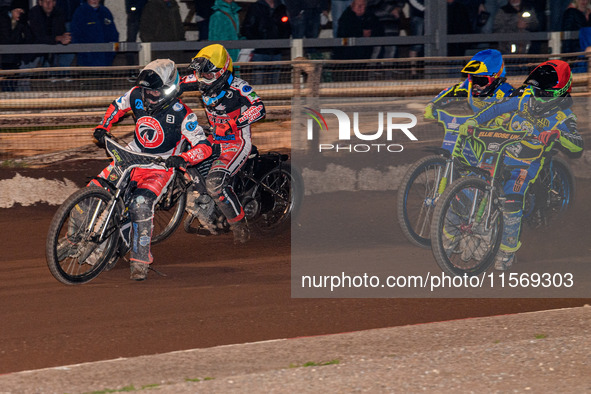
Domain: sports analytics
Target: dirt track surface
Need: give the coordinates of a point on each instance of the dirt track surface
(214, 295)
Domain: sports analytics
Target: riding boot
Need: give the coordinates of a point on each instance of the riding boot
(141, 214)
(240, 231)
(510, 241)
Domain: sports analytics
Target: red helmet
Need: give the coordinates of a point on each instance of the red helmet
(550, 79)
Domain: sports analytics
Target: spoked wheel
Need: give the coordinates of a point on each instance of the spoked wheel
(168, 213)
(465, 239)
(279, 197)
(558, 182)
(75, 251)
(417, 196)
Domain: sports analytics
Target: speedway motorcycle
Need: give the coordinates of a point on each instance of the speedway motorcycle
(91, 230)
(467, 223)
(427, 179)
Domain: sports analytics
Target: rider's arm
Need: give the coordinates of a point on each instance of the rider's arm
(189, 83)
(200, 144)
(450, 95)
(255, 109)
(116, 110)
(499, 107)
(569, 136)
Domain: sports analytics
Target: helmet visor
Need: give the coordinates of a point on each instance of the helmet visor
(152, 96)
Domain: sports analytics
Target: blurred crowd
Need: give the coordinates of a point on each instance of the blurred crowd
(61, 22)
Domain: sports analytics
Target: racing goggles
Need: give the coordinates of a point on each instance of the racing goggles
(205, 71)
(481, 80)
(549, 92)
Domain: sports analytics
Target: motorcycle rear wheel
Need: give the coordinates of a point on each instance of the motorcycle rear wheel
(279, 195)
(73, 254)
(417, 197)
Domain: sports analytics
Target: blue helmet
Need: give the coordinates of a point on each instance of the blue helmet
(488, 62)
(484, 70)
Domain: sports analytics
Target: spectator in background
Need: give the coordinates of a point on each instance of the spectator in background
(224, 24)
(337, 7)
(557, 10)
(417, 24)
(133, 9)
(516, 17)
(15, 30)
(458, 17)
(574, 18)
(204, 9)
(160, 22)
(266, 20)
(356, 22)
(93, 23)
(492, 7)
(417, 28)
(474, 8)
(304, 17)
(67, 8)
(48, 24)
(389, 15)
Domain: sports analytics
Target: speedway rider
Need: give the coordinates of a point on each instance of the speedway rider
(540, 106)
(485, 81)
(163, 124)
(231, 106)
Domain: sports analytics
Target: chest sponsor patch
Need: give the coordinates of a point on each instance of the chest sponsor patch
(177, 107)
(139, 104)
(149, 132)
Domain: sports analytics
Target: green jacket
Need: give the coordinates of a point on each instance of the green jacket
(221, 27)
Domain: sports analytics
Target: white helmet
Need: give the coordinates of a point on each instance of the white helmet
(159, 82)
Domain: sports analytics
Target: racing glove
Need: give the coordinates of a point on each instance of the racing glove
(469, 124)
(429, 112)
(176, 162)
(99, 135)
(548, 137)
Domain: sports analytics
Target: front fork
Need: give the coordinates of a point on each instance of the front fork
(446, 179)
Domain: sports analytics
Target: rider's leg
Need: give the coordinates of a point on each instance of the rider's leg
(150, 183)
(514, 190)
(141, 211)
(219, 188)
(232, 157)
(200, 204)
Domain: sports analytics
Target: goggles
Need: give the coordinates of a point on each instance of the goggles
(481, 80)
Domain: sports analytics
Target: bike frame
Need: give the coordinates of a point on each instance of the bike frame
(124, 161)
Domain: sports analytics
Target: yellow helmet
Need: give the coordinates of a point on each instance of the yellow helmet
(211, 63)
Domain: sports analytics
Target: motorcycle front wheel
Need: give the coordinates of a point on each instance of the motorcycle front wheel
(464, 238)
(74, 251)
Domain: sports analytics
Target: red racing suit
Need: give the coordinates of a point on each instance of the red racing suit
(162, 133)
(239, 107)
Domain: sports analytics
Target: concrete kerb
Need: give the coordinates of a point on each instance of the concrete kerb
(536, 351)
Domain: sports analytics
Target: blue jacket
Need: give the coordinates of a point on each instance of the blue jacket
(91, 25)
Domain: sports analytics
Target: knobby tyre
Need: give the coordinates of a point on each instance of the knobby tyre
(559, 182)
(73, 252)
(461, 241)
(416, 199)
(279, 196)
